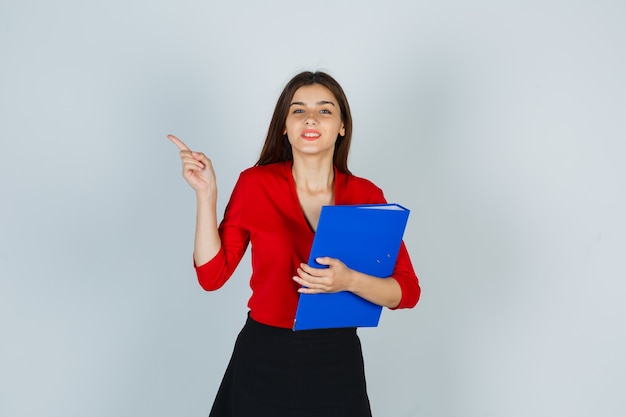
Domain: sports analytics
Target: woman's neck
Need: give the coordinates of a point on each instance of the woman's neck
(313, 175)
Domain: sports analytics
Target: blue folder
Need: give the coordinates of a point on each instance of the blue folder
(365, 238)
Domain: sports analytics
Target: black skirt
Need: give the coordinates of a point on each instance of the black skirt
(277, 372)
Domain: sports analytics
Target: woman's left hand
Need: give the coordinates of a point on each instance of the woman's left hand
(337, 277)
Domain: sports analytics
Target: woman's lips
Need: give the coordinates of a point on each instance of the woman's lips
(310, 134)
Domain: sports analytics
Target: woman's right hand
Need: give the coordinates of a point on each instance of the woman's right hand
(197, 168)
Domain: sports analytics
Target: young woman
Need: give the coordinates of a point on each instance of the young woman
(275, 206)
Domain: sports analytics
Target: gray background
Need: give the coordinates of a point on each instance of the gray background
(499, 123)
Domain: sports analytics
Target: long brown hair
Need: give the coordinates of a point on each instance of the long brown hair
(277, 147)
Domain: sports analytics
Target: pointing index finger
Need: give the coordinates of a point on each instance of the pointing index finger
(179, 143)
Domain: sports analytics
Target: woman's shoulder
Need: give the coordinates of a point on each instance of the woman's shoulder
(362, 182)
(358, 188)
(267, 172)
(356, 181)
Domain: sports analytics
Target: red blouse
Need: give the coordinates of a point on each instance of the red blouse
(264, 210)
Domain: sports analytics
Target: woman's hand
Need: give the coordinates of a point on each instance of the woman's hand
(337, 277)
(197, 168)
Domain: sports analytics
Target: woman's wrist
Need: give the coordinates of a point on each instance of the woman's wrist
(206, 195)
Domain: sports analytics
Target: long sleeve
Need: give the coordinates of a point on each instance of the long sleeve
(407, 279)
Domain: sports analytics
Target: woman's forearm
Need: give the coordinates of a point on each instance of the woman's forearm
(382, 291)
(207, 240)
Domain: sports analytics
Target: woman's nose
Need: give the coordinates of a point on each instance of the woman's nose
(310, 119)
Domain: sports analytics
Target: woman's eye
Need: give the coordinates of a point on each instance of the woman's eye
(298, 111)
(325, 111)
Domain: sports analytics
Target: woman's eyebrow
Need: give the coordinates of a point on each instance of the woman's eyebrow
(319, 103)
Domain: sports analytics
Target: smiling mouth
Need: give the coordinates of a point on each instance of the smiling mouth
(310, 135)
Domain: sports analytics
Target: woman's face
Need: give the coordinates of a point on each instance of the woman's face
(313, 121)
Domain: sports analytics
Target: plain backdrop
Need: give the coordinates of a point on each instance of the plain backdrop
(500, 124)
